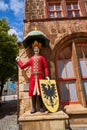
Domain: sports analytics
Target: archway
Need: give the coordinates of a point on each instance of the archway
(71, 67)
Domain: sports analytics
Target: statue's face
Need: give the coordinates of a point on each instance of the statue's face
(36, 50)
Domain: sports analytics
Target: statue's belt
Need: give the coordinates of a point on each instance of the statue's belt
(35, 73)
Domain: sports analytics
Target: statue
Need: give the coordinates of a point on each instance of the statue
(39, 70)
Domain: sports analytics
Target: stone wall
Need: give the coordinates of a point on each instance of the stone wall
(57, 30)
(34, 9)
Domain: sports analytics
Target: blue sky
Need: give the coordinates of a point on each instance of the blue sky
(13, 11)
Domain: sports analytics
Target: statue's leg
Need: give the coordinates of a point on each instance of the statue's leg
(41, 104)
(33, 104)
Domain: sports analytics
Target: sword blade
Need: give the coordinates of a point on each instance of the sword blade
(23, 52)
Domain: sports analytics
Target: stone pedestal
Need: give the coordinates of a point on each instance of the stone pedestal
(43, 121)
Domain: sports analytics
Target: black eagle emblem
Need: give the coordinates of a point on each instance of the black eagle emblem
(49, 91)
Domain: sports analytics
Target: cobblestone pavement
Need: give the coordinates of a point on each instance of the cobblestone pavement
(8, 115)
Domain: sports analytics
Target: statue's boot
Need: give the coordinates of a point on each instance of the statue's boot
(33, 104)
(41, 104)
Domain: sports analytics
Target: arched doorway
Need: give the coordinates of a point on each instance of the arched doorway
(71, 68)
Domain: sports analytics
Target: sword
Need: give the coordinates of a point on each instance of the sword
(23, 52)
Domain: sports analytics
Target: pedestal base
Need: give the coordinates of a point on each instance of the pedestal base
(43, 121)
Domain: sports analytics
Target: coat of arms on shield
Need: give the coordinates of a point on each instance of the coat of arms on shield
(49, 94)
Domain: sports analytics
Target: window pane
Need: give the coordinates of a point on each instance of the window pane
(68, 91)
(70, 14)
(57, 7)
(65, 54)
(77, 13)
(59, 14)
(75, 6)
(81, 50)
(65, 69)
(64, 94)
(51, 7)
(83, 67)
(72, 91)
(52, 15)
(69, 68)
(68, 6)
(85, 87)
(61, 70)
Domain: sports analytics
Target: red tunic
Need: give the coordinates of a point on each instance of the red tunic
(39, 70)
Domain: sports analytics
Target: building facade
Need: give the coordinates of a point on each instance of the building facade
(65, 24)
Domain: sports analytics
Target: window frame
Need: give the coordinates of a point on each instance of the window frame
(66, 79)
(54, 11)
(73, 10)
(77, 78)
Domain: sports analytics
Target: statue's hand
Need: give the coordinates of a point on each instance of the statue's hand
(17, 58)
(47, 78)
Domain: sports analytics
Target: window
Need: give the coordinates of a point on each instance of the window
(55, 10)
(66, 77)
(73, 10)
(65, 8)
(69, 88)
